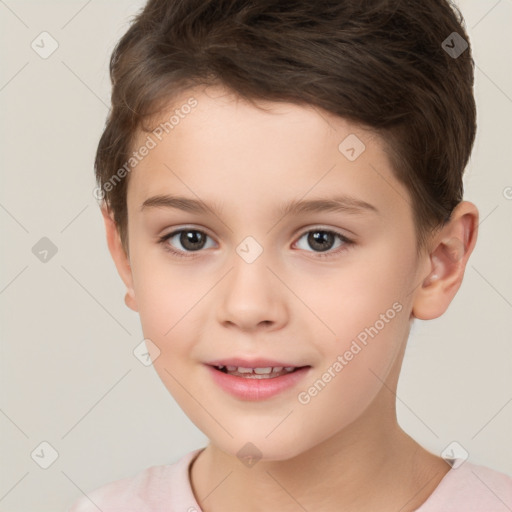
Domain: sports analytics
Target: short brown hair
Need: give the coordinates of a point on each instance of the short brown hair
(382, 64)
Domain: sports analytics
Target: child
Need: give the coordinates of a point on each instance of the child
(315, 150)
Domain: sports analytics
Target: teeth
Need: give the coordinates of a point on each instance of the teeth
(240, 369)
(258, 371)
(265, 371)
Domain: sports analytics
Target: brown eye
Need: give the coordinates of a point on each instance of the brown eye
(190, 240)
(323, 240)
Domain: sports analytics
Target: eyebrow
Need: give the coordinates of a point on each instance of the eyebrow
(340, 203)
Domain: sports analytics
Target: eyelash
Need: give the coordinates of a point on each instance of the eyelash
(347, 243)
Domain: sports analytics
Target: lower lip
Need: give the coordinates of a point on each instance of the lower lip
(256, 389)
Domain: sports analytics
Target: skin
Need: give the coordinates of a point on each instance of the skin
(344, 450)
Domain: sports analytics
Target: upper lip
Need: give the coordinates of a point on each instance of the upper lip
(253, 363)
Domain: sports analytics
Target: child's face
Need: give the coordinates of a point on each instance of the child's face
(290, 304)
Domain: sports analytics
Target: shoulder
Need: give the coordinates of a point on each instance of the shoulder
(155, 489)
(471, 488)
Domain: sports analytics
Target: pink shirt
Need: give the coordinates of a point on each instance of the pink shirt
(167, 488)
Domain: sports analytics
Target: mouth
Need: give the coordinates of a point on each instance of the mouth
(255, 383)
(267, 372)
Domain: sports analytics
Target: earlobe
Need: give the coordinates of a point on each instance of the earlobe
(447, 262)
(129, 300)
(121, 259)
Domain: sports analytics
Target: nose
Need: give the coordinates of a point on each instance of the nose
(251, 297)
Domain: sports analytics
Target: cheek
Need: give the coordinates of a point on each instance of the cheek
(369, 337)
(165, 296)
(342, 303)
(340, 391)
(363, 309)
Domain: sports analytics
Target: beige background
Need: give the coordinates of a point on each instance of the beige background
(68, 373)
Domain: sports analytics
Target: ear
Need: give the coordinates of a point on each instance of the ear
(119, 256)
(446, 262)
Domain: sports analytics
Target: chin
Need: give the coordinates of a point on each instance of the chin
(252, 449)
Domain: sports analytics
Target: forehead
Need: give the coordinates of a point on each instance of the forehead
(215, 146)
